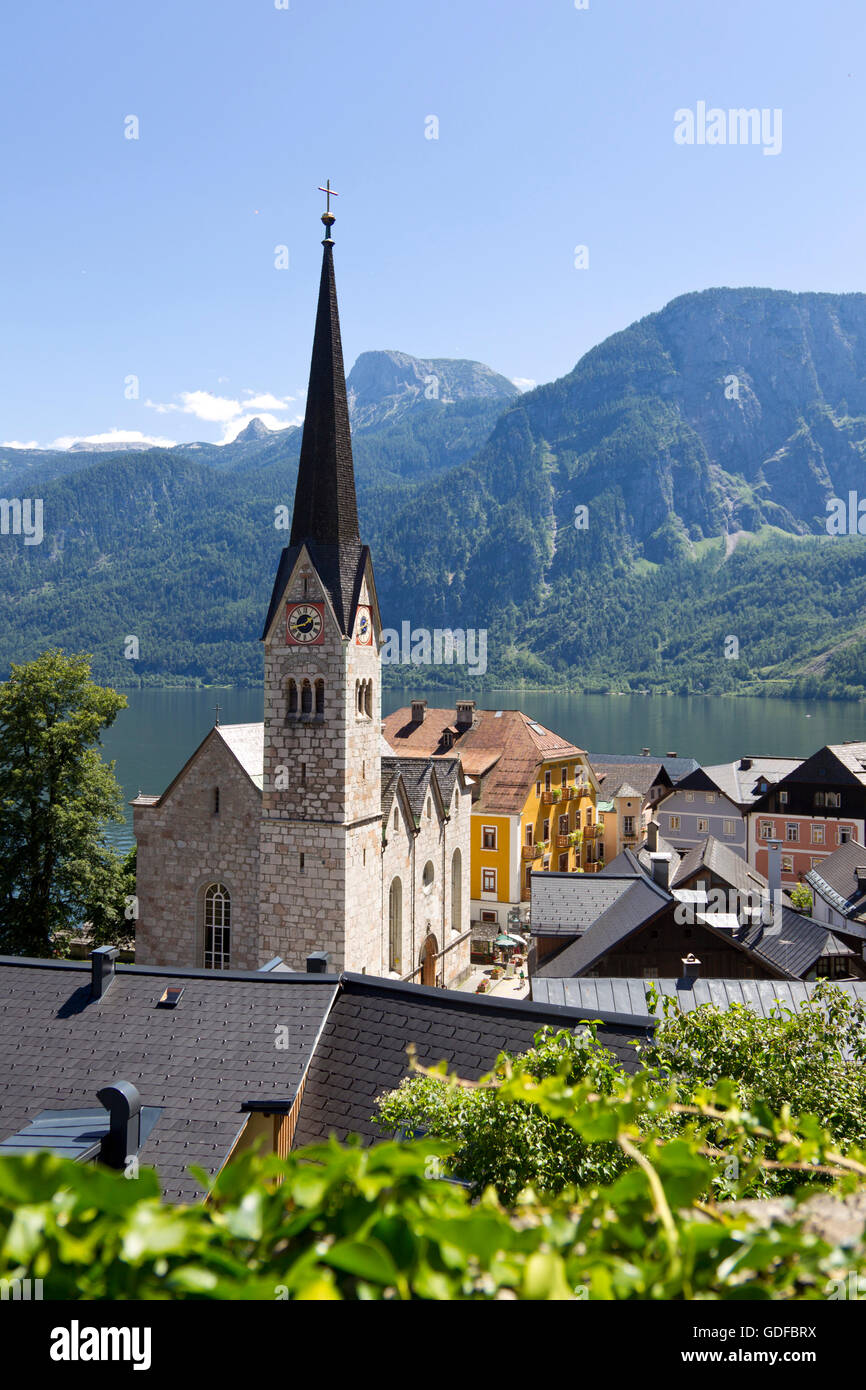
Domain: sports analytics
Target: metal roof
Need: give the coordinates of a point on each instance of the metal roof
(629, 995)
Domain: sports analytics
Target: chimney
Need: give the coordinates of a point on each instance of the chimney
(123, 1139)
(652, 836)
(672, 753)
(661, 870)
(419, 709)
(465, 714)
(860, 875)
(102, 969)
(644, 752)
(317, 963)
(691, 968)
(745, 764)
(774, 874)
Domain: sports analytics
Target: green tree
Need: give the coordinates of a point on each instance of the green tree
(56, 794)
(801, 898)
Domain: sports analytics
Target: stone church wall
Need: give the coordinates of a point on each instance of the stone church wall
(183, 846)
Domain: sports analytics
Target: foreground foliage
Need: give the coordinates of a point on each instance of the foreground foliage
(342, 1222)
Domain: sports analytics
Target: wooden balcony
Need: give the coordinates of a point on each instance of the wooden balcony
(563, 842)
(551, 797)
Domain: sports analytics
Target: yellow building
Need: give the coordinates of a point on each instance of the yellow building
(533, 797)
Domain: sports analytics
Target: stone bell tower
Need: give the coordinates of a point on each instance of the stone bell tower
(320, 862)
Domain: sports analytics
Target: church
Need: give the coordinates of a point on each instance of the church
(306, 834)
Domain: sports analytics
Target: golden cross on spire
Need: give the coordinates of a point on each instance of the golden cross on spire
(331, 193)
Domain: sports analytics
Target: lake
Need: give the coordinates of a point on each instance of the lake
(152, 739)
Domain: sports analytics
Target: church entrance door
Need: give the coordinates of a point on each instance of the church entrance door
(428, 960)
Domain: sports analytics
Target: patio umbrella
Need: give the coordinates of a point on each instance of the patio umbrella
(505, 940)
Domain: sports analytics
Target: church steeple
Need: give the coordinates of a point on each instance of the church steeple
(326, 510)
(325, 515)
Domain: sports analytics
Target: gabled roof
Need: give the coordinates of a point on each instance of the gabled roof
(418, 776)
(246, 744)
(714, 856)
(836, 880)
(503, 748)
(741, 784)
(565, 903)
(641, 901)
(630, 779)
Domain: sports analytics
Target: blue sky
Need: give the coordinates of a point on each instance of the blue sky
(155, 257)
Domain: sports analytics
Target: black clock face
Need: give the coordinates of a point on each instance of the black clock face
(304, 623)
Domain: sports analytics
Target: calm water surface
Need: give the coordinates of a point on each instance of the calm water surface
(152, 739)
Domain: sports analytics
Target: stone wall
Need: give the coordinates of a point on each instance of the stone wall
(183, 846)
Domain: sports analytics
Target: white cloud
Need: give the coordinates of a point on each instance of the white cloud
(233, 414)
(114, 436)
(523, 383)
(17, 444)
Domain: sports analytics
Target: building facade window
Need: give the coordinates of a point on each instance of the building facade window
(765, 830)
(427, 879)
(456, 890)
(488, 837)
(320, 698)
(817, 835)
(292, 699)
(488, 880)
(395, 924)
(730, 827)
(787, 863)
(306, 698)
(673, 822)
(216, 801)
(703, 825)
(846, 834)
(217, 927)
(628, 825)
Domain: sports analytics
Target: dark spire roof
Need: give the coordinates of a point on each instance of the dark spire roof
(325, 516)
(326, 511)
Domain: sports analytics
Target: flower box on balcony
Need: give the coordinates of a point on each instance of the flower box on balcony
(563, 841)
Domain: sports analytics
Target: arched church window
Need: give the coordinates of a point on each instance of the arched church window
(395, 923)
(358, 697)
(292, 698)
(456, 890)
(396, 818)
(368, 699)
(216, 801)
(217, 927)
(428, 808)
(320, 698)
(427, 879)
(306, 698)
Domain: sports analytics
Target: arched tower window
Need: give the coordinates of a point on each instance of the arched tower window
(456, 890)
(292, 699)
(395, 924)
(217, 927)
(368, 699)
(306, 698)
(320, 699)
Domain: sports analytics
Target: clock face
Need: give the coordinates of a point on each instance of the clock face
(364, 628)
(304, 624)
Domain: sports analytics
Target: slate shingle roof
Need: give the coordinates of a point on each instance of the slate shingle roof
(641, 901)
(675, 767)
(836, 880)
(362, 1052)
(198, 1061)
(630, 779)
(718, 858)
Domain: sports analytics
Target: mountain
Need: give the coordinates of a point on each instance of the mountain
(384, 386)
(704, 442)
